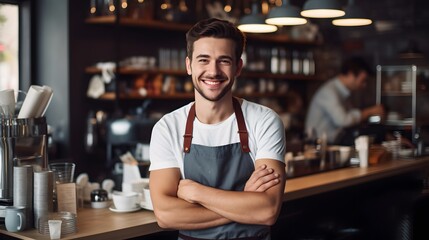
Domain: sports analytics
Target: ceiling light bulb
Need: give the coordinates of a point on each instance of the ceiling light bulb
(285, 14)
(255, 22)
(354, 17)
(322, 9)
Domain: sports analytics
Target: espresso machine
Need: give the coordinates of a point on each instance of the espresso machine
(22, 142)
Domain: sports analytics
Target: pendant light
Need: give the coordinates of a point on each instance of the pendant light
(354, 16)
(322, 9)
(255, 22)
(286, 14)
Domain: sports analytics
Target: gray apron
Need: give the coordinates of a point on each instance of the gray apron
(224, 167)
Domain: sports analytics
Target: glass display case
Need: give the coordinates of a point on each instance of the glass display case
(404, 92)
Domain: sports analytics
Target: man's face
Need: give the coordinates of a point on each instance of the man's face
(360, 80)
(213, 67)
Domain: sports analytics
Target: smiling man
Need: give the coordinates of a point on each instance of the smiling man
(217, 164)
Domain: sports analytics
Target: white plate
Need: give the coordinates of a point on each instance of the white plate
(146, 206)
(113, 209)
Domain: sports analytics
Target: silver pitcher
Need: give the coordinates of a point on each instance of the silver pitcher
(22, 142)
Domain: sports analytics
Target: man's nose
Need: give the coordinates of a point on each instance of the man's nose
(213, 68)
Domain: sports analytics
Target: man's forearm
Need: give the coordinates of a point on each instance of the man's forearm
(243, 207)
(175, 213)
(179, 214)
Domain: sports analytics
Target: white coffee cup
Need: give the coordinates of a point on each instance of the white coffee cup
(135, 185)
(146, 200)
(126, 200)
(15, 219)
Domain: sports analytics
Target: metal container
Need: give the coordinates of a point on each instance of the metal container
(22, 142)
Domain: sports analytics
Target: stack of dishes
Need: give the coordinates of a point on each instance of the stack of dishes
(68, 225)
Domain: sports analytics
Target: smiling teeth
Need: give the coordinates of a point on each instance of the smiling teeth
(212, 83)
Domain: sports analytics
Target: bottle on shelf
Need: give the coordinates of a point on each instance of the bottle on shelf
(108, 7)
(263, 59)
(274, 60)
(283, 61)
(308, 67)
(93, 9)
(123, 8)
(296, 63)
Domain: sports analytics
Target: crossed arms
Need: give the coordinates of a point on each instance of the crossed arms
(185, 204)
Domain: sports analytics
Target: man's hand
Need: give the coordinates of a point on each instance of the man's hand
(376, 110)
(262, 179)
(186, 189)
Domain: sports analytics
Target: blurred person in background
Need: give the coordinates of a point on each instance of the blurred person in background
(330, 111)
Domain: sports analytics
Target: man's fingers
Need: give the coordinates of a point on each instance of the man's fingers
(267, 178)
(268, 185)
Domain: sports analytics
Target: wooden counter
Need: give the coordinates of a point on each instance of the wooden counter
(323, 182)
(104, 224)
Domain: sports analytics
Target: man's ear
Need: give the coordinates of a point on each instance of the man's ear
(188, 66)
(239, 67)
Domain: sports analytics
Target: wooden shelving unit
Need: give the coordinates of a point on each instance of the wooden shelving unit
(129, 72)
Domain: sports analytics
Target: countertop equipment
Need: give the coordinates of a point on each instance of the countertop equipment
(22, 142)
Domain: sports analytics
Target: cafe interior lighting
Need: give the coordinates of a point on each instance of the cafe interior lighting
(354, 16)
(255, 22)
(322, 9)
(286, 14)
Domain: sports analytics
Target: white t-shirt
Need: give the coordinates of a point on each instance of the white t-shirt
(266, 135)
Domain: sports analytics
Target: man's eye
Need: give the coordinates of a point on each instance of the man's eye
(203, 61)
(226, 61)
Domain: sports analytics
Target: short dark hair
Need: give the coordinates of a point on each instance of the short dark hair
(216, 28)
(355, 65)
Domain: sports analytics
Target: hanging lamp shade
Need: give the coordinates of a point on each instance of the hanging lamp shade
(286, 14)
(255, 22)
(354, 16)
(322, 9)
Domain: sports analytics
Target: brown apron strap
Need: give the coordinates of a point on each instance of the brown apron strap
(242, 130)
(188, 130)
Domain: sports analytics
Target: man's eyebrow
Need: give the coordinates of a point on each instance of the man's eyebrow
(221, 57)
(202, 56)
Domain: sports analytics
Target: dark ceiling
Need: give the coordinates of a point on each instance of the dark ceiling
(399, 14)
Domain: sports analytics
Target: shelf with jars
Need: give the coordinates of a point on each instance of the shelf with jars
(160, 73)
(138, 83)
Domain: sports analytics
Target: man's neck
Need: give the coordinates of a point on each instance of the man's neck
(211, 112)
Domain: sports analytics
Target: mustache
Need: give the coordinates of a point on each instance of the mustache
(214, 77)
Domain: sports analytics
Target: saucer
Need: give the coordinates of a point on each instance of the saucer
(113, 209)
(146, 206)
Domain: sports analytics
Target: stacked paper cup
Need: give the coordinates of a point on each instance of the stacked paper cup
(43, 195)
(7, 103)
(23, 190)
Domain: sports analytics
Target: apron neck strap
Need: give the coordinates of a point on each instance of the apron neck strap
(188, 130)
(242, 130)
